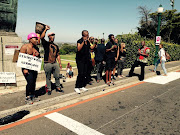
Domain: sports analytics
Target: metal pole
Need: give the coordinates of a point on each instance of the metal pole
(2, 58)
(158, 33)
(2, 55)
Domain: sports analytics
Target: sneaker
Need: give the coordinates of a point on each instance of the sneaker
(77, 90)
(90, 83)
(112, 83)
(114, 77)
(108, 83)
(49, 92)
(84, 89)
(59, 90)
(28, 101)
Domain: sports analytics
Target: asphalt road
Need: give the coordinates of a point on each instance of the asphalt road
(14, 100)
(143, 109)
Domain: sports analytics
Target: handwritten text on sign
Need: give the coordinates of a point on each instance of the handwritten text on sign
(29, 62)
(7, 77)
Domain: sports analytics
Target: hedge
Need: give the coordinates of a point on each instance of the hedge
(133, 43)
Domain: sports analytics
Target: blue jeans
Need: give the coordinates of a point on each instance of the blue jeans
(162, 65)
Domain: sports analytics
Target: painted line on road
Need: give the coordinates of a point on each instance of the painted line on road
(72, 125)
(164, 79)
(66, 107)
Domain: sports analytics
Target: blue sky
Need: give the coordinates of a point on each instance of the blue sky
(67, 18)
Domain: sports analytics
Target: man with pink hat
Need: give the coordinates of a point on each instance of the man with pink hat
(51, 56)
(30, 75)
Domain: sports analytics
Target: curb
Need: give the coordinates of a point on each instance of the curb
(64, 98)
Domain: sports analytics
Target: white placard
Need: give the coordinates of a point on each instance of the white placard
(29, 62)
(158, 39)
(9, 49)
(7, 77)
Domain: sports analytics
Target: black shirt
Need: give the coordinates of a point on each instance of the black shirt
(84, 54)
(100, 52)
(51, 51)
(122, 54)
(110, 54)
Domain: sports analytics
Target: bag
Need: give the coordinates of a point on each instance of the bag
(142, 57)
(168, 57)
(16, 54)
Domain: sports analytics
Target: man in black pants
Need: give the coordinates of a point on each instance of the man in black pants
(30, 75)
(99, 58)
(142, 60)
(82, 59)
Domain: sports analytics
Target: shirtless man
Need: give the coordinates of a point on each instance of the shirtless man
(30, 75)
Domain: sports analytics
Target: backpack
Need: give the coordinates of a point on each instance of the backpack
(168, 57)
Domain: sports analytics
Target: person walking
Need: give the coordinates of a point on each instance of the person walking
(162, 59)
(99, 58)
(116, 58)
(121, 59)
(82, 61)
(110, 58)
(51, 56)
(30, 75)
(141, 60)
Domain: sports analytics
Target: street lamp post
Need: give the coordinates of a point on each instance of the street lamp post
(103, 35)
(160, 10)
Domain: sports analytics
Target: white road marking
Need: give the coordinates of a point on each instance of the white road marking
(72, 125)
(164, 79)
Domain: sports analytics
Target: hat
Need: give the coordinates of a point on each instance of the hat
(32, 35)
(51, 33)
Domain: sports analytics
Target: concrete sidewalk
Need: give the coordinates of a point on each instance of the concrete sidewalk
(13, 101)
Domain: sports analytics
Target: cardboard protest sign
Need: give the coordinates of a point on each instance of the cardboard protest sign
(29, 62)
(7, 77)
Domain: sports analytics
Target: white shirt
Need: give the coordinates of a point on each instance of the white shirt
(162, 54)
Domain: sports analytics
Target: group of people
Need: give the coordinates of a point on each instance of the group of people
(52, 63)
(112, 56)
(90, 53)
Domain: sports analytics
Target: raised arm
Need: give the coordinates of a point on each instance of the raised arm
(44, 32)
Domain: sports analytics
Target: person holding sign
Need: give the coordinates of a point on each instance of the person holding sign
(30, 75)
(51, 56)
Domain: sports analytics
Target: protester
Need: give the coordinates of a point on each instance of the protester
(82, 61)
(110, 59)
(116, 58)
(121, 59)
(30, 75)
(51, 56)
(142, 60)
(162, 59)
(93, 44)
(99, 58)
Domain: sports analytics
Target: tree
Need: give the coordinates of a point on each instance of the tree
(170, 25)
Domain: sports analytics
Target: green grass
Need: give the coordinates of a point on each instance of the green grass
(63, 62)
(68, 57)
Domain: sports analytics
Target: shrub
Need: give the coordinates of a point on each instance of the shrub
(133, 43)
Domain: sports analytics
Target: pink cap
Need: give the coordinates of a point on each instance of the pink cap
(32, 35)
(51, 33)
